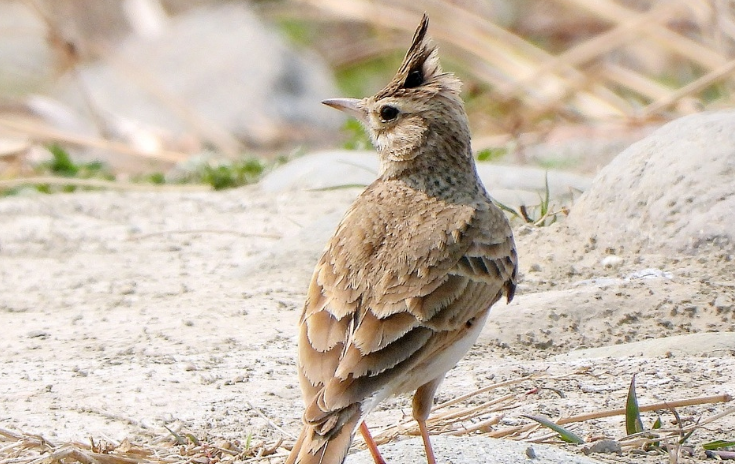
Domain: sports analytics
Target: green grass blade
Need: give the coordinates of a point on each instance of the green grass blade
(193, 439)
(546, 200)
(686, 437)
(564, 434)
(337, 187)
(179, 439)
(633, 423)
(506, 208)
(718, 444)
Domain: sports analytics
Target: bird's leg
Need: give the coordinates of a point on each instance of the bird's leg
(372, 446)
(423, 400)
(430, 458)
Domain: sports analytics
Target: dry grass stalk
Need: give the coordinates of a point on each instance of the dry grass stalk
(594, 47)
(692, 88)
(34, 449)
(724, 398)
(635, 81)
(44, 133)
(612, 11)
(452, 421)
(513, 56)
(516, 431)
(475, 418)
(99, 184)
(583, 83)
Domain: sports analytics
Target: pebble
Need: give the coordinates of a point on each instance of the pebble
(604, 447)
(611, 261)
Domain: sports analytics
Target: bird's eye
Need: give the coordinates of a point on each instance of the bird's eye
(388, 113)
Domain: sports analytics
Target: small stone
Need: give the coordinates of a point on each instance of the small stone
(723, 303)
(611, 261)
(525, 230)
(605, 446)
(535, 267)
(38, 334)
(530, 453)
(127, 288)
(237, 379)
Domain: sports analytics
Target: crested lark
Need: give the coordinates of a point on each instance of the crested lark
(406, 282)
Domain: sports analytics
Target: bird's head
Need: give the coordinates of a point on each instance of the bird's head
(419, 111)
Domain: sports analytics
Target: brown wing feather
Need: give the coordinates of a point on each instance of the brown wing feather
(371, 322)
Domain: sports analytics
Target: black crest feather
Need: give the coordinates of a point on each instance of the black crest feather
(415, 78)
(420, 66)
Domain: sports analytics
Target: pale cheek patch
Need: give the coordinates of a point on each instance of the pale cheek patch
(403, 141)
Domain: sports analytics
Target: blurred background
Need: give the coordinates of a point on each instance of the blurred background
(217, 92)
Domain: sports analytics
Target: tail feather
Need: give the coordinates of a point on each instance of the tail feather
(312, 448)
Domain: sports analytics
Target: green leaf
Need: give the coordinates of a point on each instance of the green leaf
(179, 439)
(564, 434)
(654, 444)
(633, 423)
(62, 163)
(193, 439)
(718, 444)
(491, 154)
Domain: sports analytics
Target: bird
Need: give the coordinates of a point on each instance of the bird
(404, 286)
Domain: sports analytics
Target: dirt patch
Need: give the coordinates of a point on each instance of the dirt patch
(127, 312)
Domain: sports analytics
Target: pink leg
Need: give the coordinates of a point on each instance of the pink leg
(372, 446)
(423, 400)
(427, 443)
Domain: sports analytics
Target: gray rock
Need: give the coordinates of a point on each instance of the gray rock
(511, 185)
(672, 190)
(604, 447)
(469, 450)
(724, 303)
(215, 68)
(532, 179)
(26, 62)
(323, 170)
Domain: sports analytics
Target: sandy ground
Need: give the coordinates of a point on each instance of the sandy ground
(127, 312)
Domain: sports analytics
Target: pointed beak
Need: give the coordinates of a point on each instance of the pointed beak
(351, 106)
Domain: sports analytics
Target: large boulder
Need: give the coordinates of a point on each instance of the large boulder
(26, 62)
(672, 191)
(213, 70)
